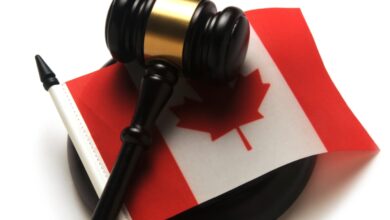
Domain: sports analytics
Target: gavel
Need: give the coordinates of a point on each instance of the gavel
(169, 38)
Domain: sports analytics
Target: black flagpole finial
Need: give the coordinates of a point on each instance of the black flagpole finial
(47, 76)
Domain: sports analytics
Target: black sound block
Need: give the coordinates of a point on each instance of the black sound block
(264, 198)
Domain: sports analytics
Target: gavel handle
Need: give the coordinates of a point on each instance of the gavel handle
(156, 89)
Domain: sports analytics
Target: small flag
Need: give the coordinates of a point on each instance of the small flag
(209, 139)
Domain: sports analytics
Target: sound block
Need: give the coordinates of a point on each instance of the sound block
(264, 198)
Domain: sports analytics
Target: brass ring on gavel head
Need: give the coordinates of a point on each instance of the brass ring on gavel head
(167, 27)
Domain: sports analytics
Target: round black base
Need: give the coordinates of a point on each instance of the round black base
(264, 198)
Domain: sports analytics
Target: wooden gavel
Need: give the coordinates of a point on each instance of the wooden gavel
(169, 38)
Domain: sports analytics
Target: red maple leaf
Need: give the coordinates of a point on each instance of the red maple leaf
(223, 107)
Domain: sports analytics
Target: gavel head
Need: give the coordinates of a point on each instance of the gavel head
(191, 34)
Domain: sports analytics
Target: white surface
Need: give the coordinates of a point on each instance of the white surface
(352, 37)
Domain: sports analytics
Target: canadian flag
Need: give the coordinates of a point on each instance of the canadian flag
(210, 140)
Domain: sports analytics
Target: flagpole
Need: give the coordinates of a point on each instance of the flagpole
(76, 128)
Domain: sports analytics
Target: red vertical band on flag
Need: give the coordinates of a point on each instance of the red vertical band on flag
(106, 101)
(287, 38)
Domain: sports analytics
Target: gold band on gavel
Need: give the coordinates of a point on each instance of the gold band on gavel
(167, 27)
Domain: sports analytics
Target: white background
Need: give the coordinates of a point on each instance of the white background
(353, 39)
